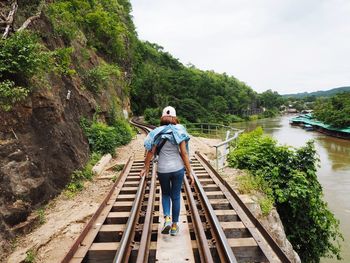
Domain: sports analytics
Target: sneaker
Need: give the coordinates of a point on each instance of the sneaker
(174, 230)
(167, 225)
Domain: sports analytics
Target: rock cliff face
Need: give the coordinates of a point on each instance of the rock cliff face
(41, 141)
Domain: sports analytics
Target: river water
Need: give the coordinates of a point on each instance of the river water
(334, 173)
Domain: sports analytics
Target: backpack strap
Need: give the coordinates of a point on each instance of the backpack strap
(160, 146)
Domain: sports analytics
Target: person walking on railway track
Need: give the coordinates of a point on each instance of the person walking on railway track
(169, 143)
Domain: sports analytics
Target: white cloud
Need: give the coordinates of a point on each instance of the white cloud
(284, 45)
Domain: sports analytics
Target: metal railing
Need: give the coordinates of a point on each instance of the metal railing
(227, 134)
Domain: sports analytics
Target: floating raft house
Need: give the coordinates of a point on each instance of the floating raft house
(307, 119)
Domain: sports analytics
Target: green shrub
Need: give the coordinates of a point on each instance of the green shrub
(63, 19)
(269, 113)
(152, 116)
(10, 94)
(266, 204)
(41, 215)
(21, 54)
(334, 111)
(100, 77)
(23, 59)
(291, 173)
(230, 118)
(30, 256)
(124, 131)
(62, 61)
(103, 138)
(253, 118)
(78, 177)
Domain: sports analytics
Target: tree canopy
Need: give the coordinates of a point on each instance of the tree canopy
(199, 96)
(334, 111)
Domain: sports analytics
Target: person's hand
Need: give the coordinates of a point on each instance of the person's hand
(144, 172)
(191, 179)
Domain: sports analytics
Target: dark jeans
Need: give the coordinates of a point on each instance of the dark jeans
(170, 184)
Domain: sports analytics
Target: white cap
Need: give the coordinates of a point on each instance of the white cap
(169, 111)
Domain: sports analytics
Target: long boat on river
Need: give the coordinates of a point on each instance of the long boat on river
(307, 120)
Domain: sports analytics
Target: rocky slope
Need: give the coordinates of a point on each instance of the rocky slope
(41, 141)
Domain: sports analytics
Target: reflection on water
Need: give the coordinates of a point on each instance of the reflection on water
(338, 151)
(334, 171)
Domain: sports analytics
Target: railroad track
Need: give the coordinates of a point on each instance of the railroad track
(215, 225)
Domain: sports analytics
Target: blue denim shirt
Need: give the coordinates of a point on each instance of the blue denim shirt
(173, 133)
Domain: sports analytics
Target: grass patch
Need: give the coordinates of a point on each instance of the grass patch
(114, 178)
(30, 256)
(80, 176)
(118, 167)
(249, 184)
(41, 214)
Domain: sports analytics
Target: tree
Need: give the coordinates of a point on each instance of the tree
(334, 111)
(270, 99)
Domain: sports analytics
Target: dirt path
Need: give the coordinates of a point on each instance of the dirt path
(65, 217)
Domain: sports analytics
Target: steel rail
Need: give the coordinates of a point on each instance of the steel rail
(124, 248)
(226, 251)
(143, 253)
(89, 225)
(272, 243)
(221, 240)
(203, 248)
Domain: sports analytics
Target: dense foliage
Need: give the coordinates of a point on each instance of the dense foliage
(291, 175)
(199, 96)
(10, 94)
(270, 99)
(334, 111)
(100, 77)
(152, 116)
(107, 25)
(25, 61)
(103, 138)
(21, 57)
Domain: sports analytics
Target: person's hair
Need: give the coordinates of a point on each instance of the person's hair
(165, 120)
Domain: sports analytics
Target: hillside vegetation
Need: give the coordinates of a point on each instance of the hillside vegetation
(320, 93)
(199, 96)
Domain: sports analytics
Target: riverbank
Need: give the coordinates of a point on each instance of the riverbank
(333, 173)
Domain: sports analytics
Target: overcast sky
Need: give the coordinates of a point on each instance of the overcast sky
(284, 45)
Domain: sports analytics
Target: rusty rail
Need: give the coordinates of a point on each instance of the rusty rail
(143, 253)
(89, 225)
(204, 249)
(272, 243)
